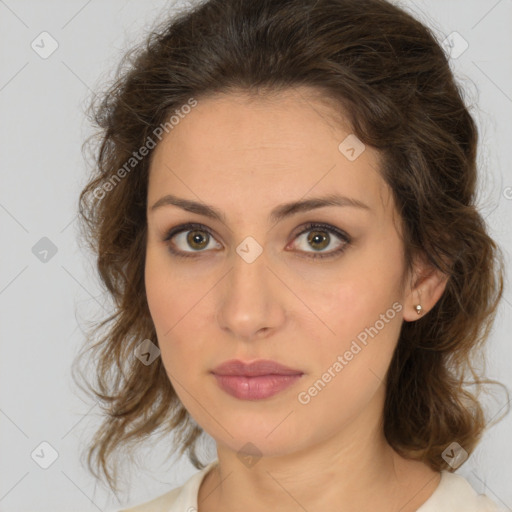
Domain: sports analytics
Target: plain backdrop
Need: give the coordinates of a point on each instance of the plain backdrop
(48, 289)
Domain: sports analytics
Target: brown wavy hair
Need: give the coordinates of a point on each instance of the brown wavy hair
(393, 83)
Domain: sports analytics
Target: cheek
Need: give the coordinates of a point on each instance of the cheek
(350, 367)
(370, 284)
(177, 310)
(351, 300)
(159, 294)
(365, 323)
(362, 307)
(170, 295)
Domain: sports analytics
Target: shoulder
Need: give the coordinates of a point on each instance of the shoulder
(455, 494)
(180, 499)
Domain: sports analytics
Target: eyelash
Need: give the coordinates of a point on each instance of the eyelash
(191, 226)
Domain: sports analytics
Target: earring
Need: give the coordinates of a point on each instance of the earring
(418, 308)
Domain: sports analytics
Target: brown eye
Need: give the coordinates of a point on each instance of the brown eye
(187, 239)
(318, 239)
(198, 239)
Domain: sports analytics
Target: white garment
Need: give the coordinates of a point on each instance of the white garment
(453, 494)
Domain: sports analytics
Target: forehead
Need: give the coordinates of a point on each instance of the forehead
(277, 119)
(273, 147)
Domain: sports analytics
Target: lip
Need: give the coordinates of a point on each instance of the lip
(255, 380)
(254, 368)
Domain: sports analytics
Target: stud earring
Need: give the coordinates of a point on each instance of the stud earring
(418, 308)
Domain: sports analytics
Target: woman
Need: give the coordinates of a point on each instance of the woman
(285, 216)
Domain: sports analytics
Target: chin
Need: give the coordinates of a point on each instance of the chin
(269, 436)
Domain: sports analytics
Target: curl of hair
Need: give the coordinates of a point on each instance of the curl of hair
(391, 80)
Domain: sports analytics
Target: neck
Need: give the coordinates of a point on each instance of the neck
(355, 467)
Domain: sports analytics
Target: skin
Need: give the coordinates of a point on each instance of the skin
(246, 156)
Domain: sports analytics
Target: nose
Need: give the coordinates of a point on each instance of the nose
(251, 301)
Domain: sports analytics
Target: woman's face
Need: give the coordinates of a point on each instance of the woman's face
(247, 286)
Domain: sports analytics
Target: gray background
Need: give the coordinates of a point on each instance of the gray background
(44, 305)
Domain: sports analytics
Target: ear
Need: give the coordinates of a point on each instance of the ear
(425, 288)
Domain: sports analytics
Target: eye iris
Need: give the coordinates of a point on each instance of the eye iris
(319, 237)
(194, 239)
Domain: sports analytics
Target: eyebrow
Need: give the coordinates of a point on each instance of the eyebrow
(278, 213)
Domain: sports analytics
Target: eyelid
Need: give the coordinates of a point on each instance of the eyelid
(188, 226)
